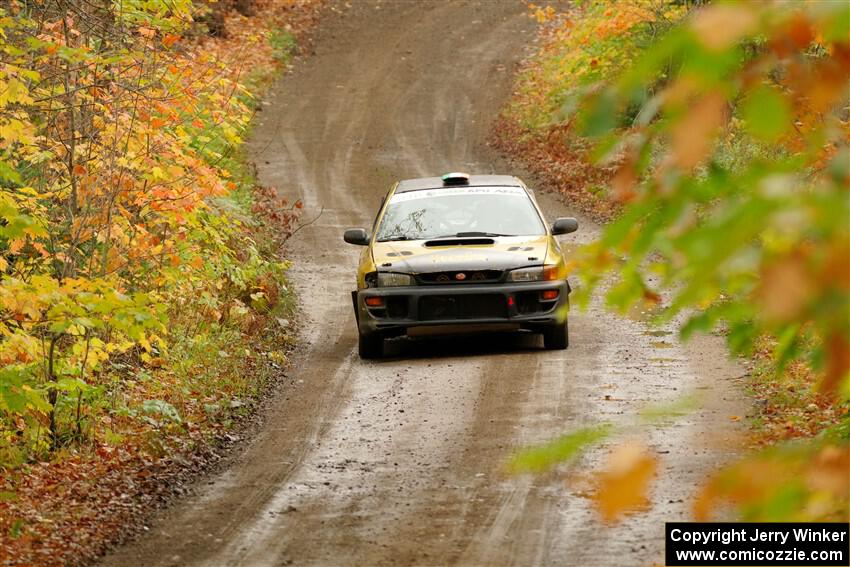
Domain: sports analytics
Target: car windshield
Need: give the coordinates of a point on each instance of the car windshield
(467, 211)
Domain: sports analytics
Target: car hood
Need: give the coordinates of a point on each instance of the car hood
(506, 252)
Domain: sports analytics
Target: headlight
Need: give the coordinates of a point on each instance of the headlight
(391, 279)
(534, 274)
(526, 275)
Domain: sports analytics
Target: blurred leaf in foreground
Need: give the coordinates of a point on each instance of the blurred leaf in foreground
(623, 485)
(565, 448)
(722, 143)
(796, 482)
(735, 196)
(665, 411)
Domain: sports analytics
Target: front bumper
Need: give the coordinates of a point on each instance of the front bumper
(520, 305)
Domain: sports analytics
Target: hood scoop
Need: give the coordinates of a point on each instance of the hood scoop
(460, 242)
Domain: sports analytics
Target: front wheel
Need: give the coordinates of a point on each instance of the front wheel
(556, 337)
(370, 346)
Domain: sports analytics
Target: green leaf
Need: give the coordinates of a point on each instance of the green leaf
(563, 449)
(836, 20)
(8, 173)
(658, 413)
(17, 394)
(72, 385)
(601, 116)
(163, 408)
(766, 113)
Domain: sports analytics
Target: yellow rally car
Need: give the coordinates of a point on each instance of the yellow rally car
(460, 253)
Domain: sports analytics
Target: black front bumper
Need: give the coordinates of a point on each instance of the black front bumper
(475, 305)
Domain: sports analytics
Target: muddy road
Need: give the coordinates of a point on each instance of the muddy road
(399, 461)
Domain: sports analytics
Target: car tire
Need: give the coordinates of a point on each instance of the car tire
(370, 346)
(556, 337)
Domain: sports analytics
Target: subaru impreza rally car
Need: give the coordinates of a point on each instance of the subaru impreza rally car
(460, 253)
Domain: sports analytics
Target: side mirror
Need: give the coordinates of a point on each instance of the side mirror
(564, 225)
(357, 236)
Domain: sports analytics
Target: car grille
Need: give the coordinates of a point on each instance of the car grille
(473, 306)
(460, 277)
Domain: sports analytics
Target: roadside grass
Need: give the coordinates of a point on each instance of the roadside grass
(283, 44)
(788, 404)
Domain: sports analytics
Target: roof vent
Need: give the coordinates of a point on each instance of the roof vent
(456, 178)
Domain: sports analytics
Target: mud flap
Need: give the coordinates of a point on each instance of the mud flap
(356, 311)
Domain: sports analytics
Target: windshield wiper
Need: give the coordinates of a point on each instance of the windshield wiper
(396, 238)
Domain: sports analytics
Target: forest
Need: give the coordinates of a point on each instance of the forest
(146, 307)
(141, 278)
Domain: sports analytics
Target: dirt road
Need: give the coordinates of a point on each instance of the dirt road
(398, 462)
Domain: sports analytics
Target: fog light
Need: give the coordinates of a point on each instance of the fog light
(549, 294)
(375, 301)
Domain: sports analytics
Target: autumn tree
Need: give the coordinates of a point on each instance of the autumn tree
(116, 140)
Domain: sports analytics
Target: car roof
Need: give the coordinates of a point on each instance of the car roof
(474, 181)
